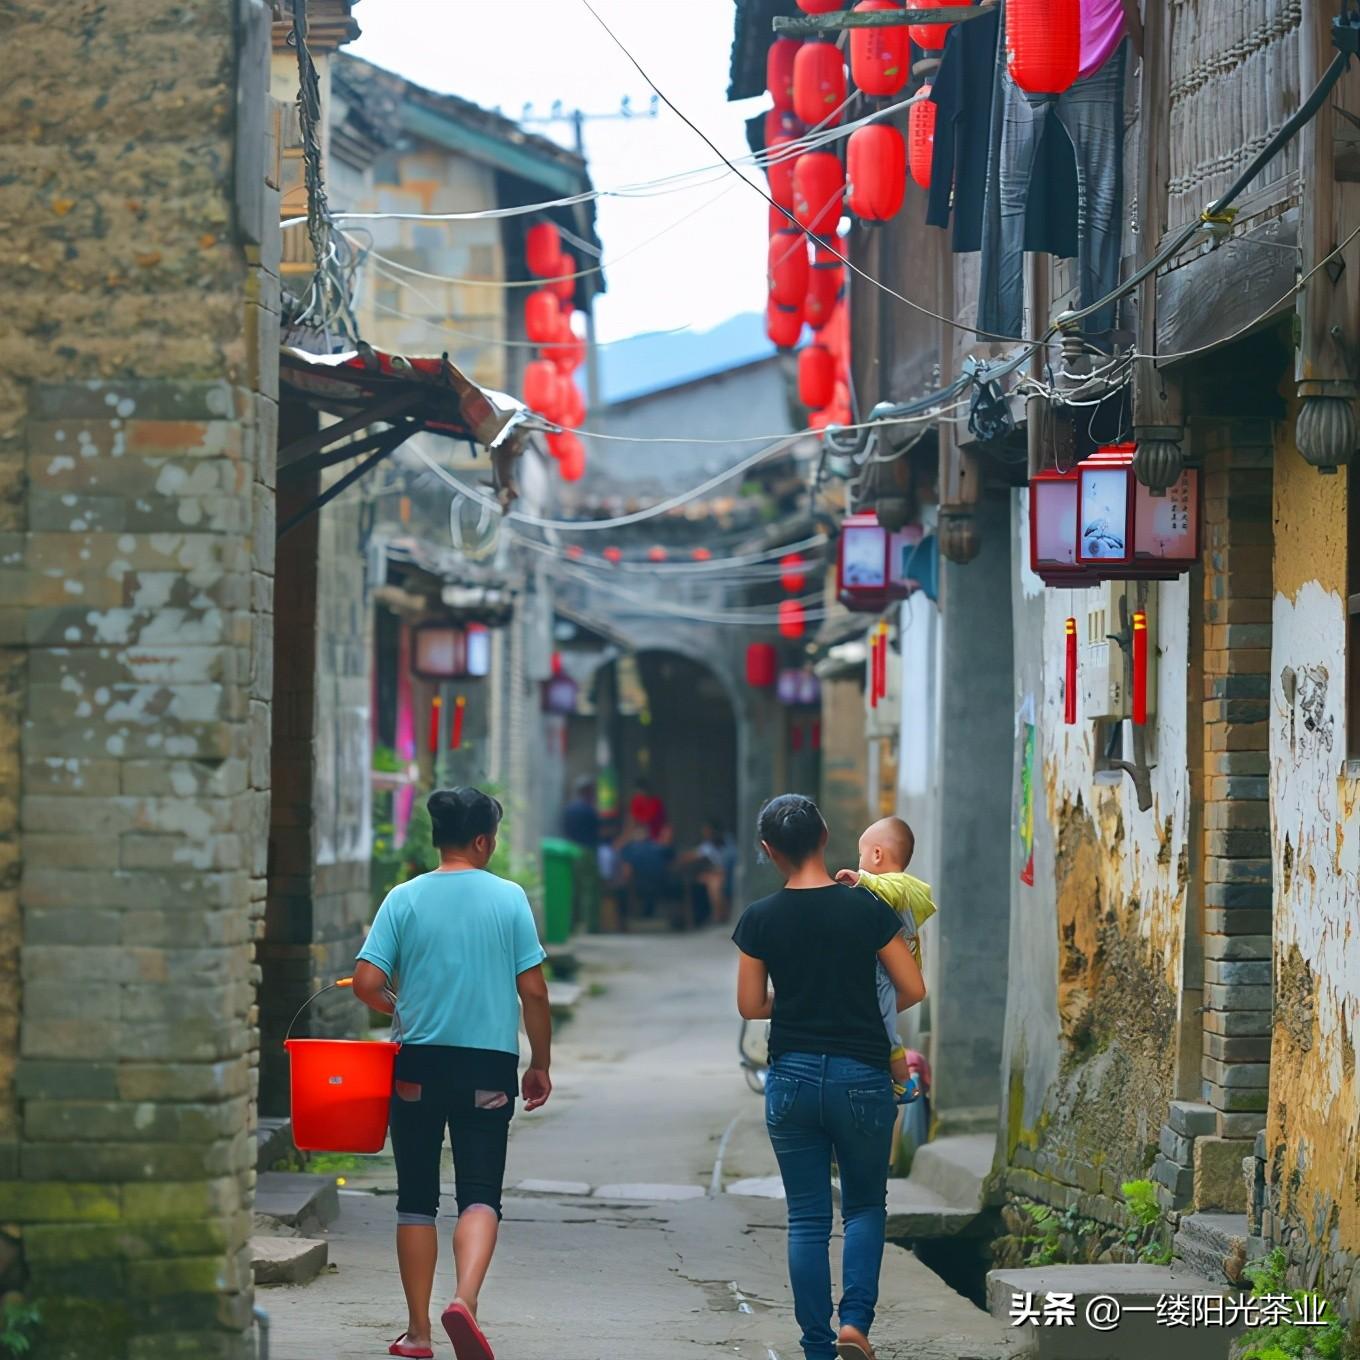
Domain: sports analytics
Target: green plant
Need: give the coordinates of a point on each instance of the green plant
(335, 1163)
(387, 761)
(18, 1321)
(1288, 1340)
(1141, 1197)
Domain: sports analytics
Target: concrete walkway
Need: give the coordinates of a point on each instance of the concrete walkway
(623, 1238)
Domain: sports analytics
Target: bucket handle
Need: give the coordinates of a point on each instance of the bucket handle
(339, 982)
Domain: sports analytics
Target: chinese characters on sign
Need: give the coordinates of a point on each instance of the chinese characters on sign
(1103, 1312)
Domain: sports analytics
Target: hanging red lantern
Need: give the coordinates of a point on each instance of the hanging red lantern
(880, 58)
(921, 137)
(816, 377)
(563, 285)
(792, 573)
(543, 388)
(792, 619)
(783, 324)
(557, 444)
(820, 6)
(702, 555)
(542, 316)
(780, 174)
(788, 267)
(779, 71)
(819, 84)
(572, 403)
(762, 665)
(818, 187)
(1043, 44)
(614, 555)
(782, 122)
(656, 554)
(930, 37)
(542, 250)
(825, 280)
(575, 551)
(572, 463)
(569, 352)
(876, 165)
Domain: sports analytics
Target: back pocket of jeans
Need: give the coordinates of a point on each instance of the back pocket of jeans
(873, 1108)
(780, 1093)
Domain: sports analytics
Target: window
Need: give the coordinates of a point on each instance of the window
(1353, 616)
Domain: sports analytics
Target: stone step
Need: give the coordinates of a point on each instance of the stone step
(1217, 1246)
(297, 1200)
(917, 1213)
(287, 1260)
(954, 1168)
(1137, 1335)
(563, 998)
(273, 1141)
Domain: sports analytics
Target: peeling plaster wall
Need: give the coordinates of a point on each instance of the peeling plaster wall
(1313, 1179)
(1095, 944)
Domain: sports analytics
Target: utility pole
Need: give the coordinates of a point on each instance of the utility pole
(578, 118)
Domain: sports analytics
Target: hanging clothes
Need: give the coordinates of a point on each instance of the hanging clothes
(963, 92)
(1091, 113)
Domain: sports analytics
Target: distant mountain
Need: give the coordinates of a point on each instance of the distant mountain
(650, 363)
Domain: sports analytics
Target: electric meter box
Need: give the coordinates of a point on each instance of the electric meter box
(1104, 667)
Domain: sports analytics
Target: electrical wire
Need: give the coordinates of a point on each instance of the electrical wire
(765, 557)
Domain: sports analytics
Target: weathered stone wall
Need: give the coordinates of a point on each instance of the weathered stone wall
(1094, 976)
(1312, 1190)
(137, 439)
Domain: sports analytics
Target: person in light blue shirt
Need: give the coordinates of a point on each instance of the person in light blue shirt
(454, 957)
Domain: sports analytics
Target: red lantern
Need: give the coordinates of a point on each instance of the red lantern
(569, 352)
(702, 555)
(876, 161)
(779, 71)
(788, 267)
(782, 122)
(820, 6)
(572, 463)
(819, 84)
(818, 187)
(572, 404)
(542, 250)
(792, 619)
(614, 555)
(825, 280)
(783, 324)
(921, 136)
(657, 554)
(762, 665)
(816, 377)
(1043, 44)
(880, 58)
(563, 284)
(792, 573)
(929, 37)
(780, 175)
(557, 444)
(542, 316)
(543, 388)
(575, 551)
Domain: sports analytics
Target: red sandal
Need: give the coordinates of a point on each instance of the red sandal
(409, 1349)
(469, 1343)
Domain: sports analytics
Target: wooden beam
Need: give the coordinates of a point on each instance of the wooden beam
(818, 25)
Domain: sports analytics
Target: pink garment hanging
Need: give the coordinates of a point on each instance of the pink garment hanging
(1102, 30)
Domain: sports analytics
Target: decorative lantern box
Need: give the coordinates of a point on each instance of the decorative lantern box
(478, 651)
(1097, 522)
(559, 695)
(440, 652)
(871, 564)
(799, 689)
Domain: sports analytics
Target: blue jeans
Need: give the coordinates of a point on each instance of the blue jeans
(816, 1104)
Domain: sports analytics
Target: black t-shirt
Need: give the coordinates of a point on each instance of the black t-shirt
(821, 947)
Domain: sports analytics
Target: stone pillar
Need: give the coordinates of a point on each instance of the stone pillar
(1238, 894)
(137, 440)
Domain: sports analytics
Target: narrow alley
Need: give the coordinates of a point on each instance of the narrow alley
(622, 1235)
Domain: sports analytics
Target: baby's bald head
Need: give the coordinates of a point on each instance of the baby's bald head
(887, 846)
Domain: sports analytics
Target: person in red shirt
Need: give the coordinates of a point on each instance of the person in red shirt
(647, 809)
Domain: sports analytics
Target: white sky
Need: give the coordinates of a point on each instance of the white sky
(513, 52)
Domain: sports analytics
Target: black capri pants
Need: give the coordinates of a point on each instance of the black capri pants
(471, 1094)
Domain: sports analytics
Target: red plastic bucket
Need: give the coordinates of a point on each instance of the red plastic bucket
(340, 1090)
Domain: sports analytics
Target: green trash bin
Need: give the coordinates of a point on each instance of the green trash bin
(559, 889)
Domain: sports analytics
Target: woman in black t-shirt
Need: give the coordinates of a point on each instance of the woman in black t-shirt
(828, 1087)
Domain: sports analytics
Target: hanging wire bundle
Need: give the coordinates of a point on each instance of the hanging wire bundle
(326, 306)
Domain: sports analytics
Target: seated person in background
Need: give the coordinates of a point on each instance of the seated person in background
(885, 850)
(648, 864)
(580, 820)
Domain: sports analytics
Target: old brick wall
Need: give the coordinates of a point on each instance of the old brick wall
(137, 437)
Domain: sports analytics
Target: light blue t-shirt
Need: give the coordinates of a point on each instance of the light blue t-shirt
(452, 945)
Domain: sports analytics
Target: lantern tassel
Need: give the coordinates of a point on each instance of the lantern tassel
(1140, 668)
(435, 705)
(1070, 688)
(456, 728)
